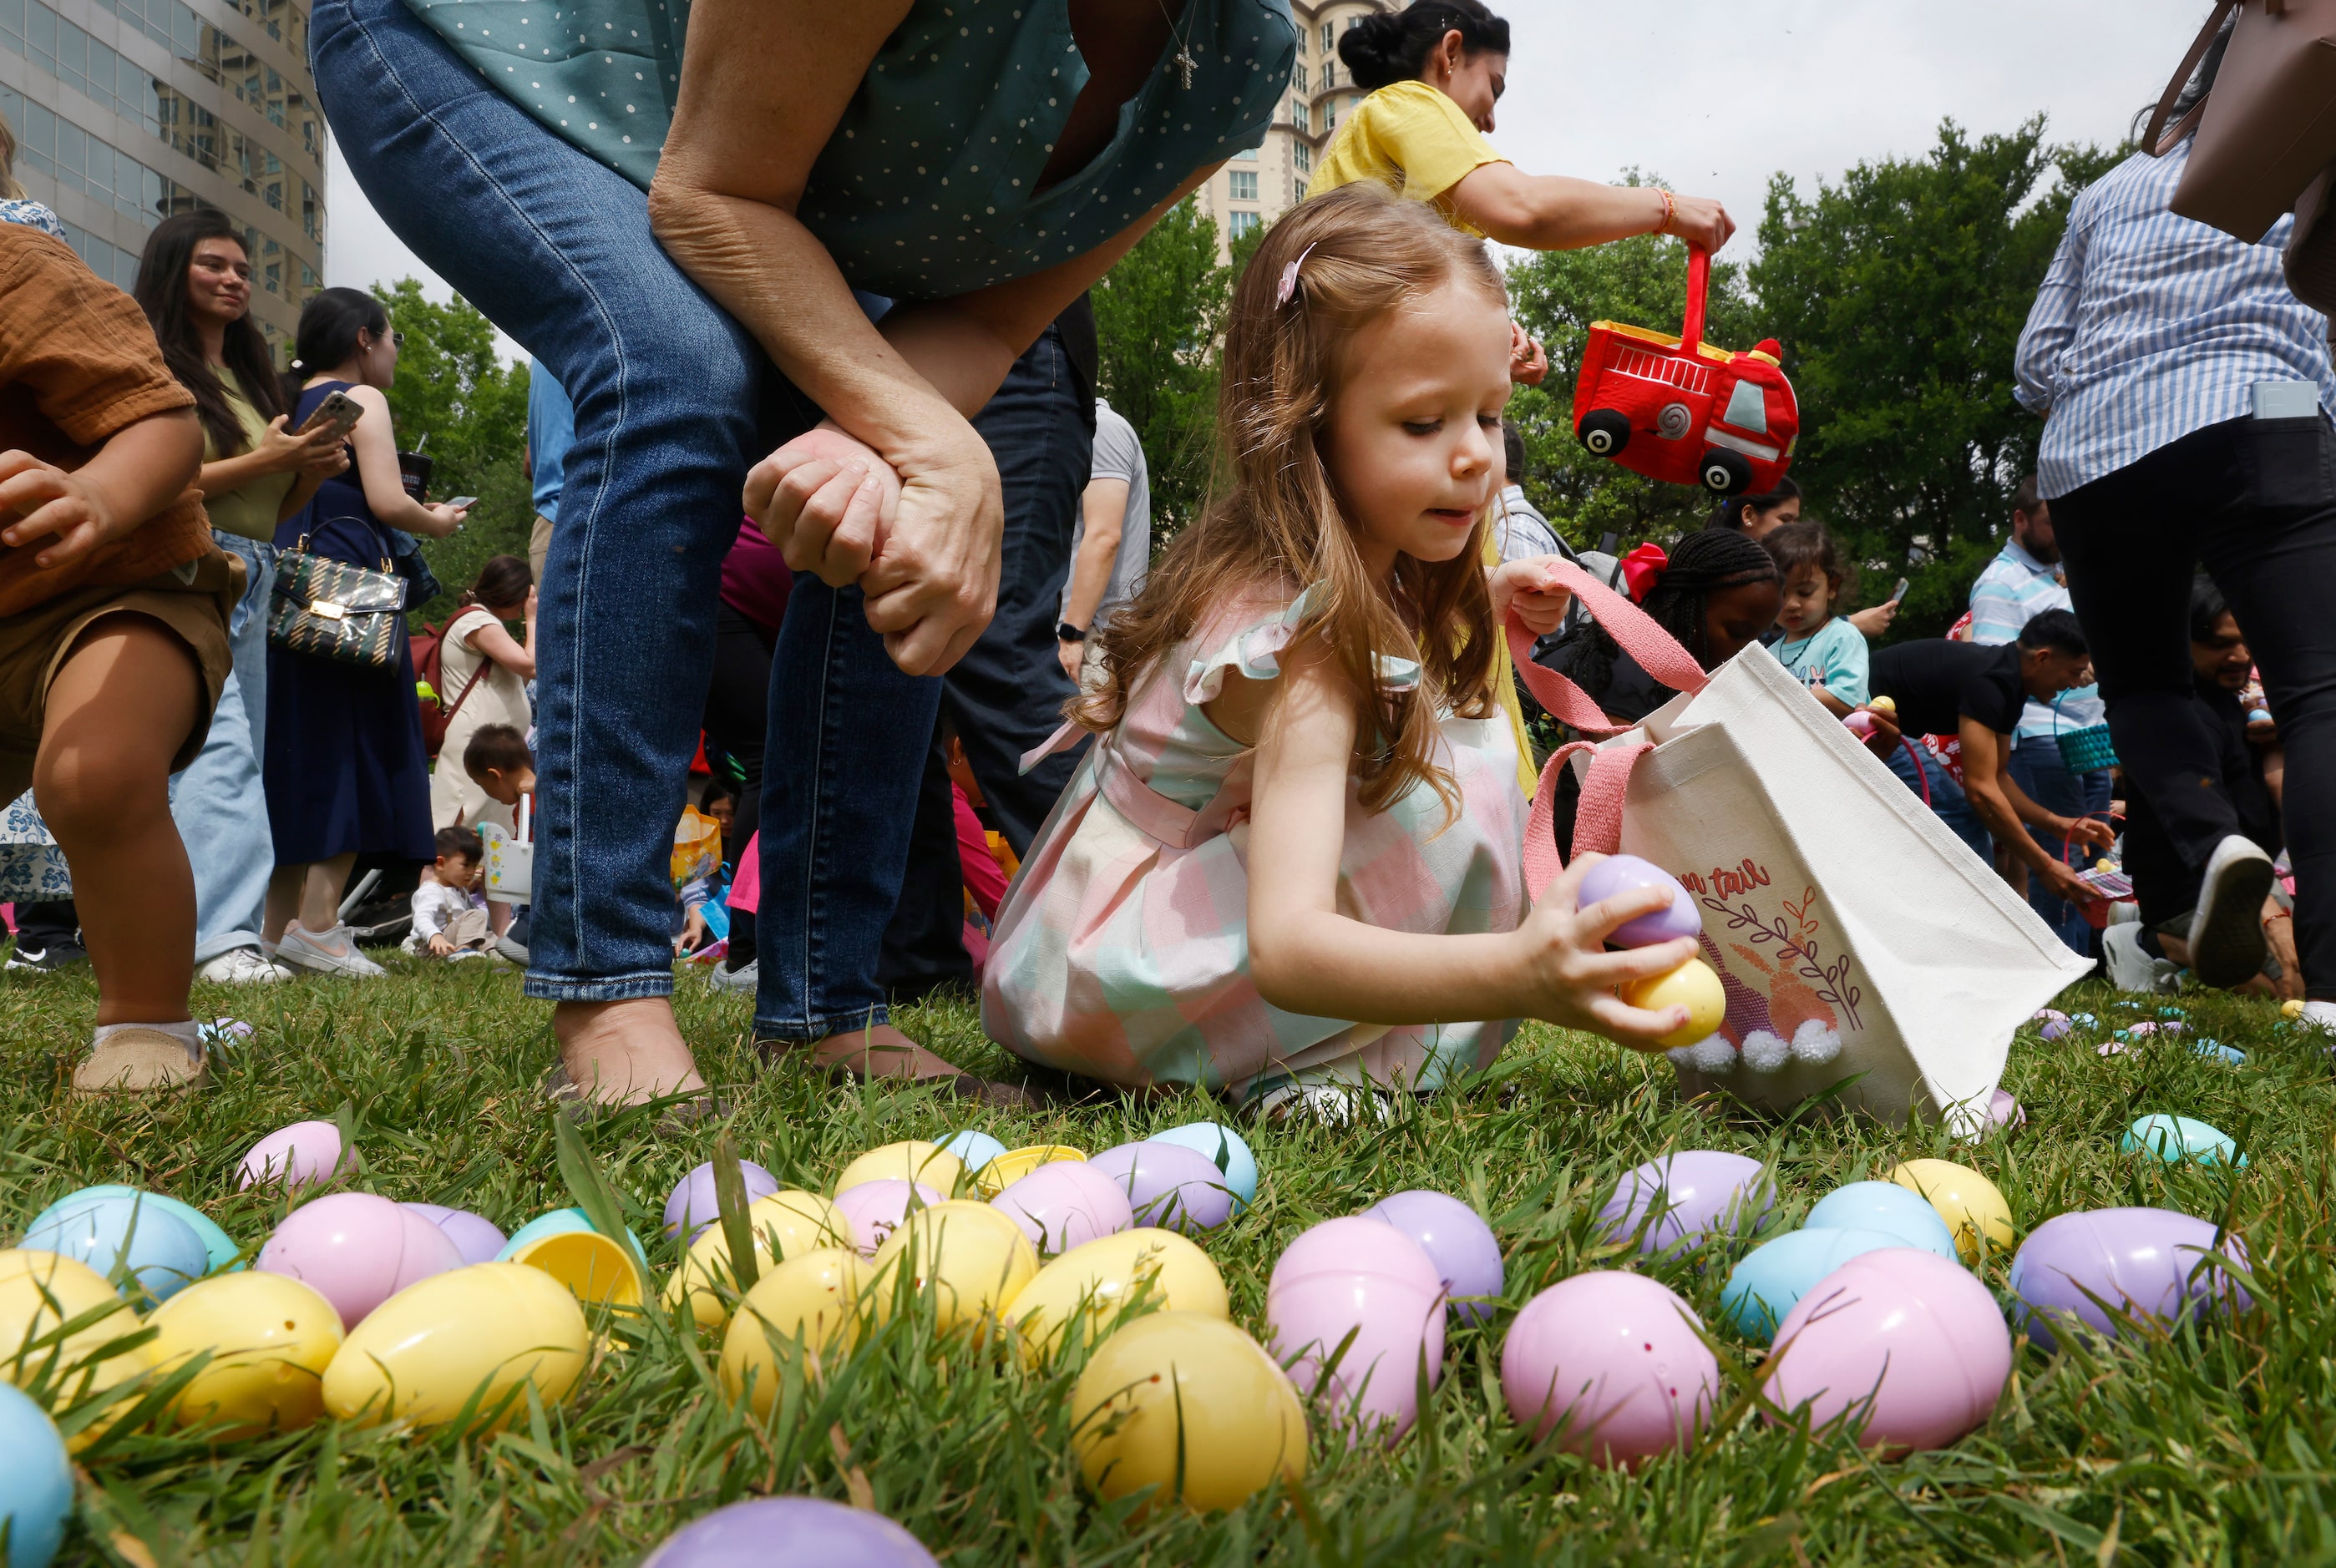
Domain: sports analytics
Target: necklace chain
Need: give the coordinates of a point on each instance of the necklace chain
(1182, 58)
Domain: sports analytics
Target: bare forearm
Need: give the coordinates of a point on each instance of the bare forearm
(302, 492)
(230, 474)
(1325, 965)
(1555, 211)
(1091, 574)
(1987, 799)
(146, 466)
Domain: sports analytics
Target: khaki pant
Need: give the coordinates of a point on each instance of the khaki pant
(539, 546)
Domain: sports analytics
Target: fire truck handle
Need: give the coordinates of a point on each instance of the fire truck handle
(1699, 281)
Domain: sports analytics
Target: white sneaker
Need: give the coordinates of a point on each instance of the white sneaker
(745, 979)
(2131, 969)
(331, 952)
(2226, 935)
(2319, 1015)
(242, 966)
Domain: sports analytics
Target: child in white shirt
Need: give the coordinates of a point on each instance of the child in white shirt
(450, 913)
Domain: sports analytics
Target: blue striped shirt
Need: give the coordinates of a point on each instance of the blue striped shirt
(2015, 587)
(2149, 326)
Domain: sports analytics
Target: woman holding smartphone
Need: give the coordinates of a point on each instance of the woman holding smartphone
(347, 774)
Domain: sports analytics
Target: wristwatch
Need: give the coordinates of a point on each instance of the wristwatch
(1066, 633)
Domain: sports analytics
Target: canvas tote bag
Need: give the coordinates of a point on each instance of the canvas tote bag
(1855, 935)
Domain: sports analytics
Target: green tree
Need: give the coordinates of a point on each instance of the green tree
(1159, 315)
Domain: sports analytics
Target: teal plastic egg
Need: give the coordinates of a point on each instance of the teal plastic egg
(115, 1233)
(558, 1222)
(974, 1149)
(1887, 1207)
(36, 1489)
(218, 1248)
(1774, 1275)
(2175, 1138)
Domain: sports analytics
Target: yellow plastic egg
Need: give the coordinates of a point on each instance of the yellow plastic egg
(1004, 1170)
(2292, 1008)
(1095, 1282)
(813, 1300)
(913, 1160)
(590, 1264)
(485, 1329)
(1882, 705)
(1692, 986)
(1189, 1393)
(974, 1257)
(1971, 1205)
(270, 1338)
(39, 1293)
(785, 1225)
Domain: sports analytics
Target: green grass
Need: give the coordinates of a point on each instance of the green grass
(2205, 1445)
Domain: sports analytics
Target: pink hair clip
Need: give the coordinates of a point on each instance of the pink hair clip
(1289, 285)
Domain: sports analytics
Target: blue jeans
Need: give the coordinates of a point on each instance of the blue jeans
(2037, 769)
(672, 400)
(218, 802)
(1949, 804)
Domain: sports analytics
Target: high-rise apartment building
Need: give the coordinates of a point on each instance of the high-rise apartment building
(128, 110)
(1256, 188)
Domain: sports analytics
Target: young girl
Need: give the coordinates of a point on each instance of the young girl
(1290, 866)
(1822, 648)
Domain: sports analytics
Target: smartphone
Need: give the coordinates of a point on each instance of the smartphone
(338, 411)
(459, 502)
(1899, 593)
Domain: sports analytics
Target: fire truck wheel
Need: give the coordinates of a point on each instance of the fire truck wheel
(1725, 473)
(1604, 432)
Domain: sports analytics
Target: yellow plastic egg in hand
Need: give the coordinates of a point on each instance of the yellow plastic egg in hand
(1692, 986)
(1971, 1205)
(1096, 1281)
(1186, 1394)
(975, 1258)
(813, 1300)
(41, 1291)
(913, 1159)
(1882, 705)
(1004, 1170)
(797, 1222)
(270, 1338)
(421, 1355)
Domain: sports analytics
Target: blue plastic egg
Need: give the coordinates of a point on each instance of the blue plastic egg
(1223, 1148)
(36, 1489)
(218, 1248)
(2175, 1138)
(1777, 1274)
(1887, 1207)
(974, 1149)
(117, 1231)
(2216, 1050)
(558, 1222)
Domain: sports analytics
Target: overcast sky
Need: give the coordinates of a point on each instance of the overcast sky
(1716, 95)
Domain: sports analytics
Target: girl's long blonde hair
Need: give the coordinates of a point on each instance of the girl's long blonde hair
(1274, 524)
(9, 190)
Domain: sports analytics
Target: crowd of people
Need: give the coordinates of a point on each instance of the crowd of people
(1261, 799)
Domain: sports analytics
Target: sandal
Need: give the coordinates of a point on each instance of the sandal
(675, 1115)
(882, 1052)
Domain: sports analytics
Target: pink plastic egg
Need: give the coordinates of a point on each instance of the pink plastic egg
(1620, 873)
(1612, 1362)
(305, 1153)
(357, 1251)
(1907, 1345)
(1168, 1185)
(2003, 1111)
(1065, 1203)
(1859, 723)
(877, 1208)
(477, 1238)
(1358, 1276)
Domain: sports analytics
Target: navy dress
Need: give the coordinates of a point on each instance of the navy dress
(346, 769)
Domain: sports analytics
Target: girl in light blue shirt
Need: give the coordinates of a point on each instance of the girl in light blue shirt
(1819, 646)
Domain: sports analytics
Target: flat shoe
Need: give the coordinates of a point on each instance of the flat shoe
(139, 1061)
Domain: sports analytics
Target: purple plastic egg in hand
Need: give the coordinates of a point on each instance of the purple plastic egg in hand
(692, 1205)
(1620, 874)
(877, 1208)
(1168, 1185)
(1696, 1193)
(1457, 1240)
(357, 1251)
(2147, 1263)
(478, 1239)
(1615, 1359)
(791, 1533)
(1065, 1203)
(305, 1153)
(1907, 1344)
(1358, 1276)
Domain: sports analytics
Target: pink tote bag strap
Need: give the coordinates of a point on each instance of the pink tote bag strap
(1635, 631)
(1597, 818)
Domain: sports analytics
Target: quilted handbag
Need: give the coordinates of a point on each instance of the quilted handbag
(333, 609)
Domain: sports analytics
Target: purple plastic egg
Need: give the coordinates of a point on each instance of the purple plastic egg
(1615, 1359)
(478, 1239)
(692, 1207)
(2003, 1111)
(1358, 1276)
(305, 1153)
(1168, 1185)
(1457, 1240)
(2055, 1028)
(1905, 1343)
(2144, 1262)
(357, 1251)
(1698, 1192)
(1620, 873)
(791, 1533)
(877, 1208)
(1065, 1203)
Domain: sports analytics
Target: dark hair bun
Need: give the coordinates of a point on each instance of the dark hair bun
(1373, 50)
(1390, 47)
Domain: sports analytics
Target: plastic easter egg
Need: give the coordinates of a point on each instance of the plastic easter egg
(592, 1267)
(1618, 874)
(691, 1205)
(791, 1533)
(220, 1250)
(1972, 1205)
(2003, 1111)
(1362, 1277)
(784, 1224)
(2171, 1139)
(973, 1149)
(1169, 1184)
(305, 1153)
(814, 1300)
(1692, 986)
(2056, 1029)
(357, 1251)
(270, 1339)
(42, 1292)
(1696, 1193)
(36, 1488)
(1223, 1148)
(1883, 705)
(481, 1330)
(974, 1260)
(1612, 1363)
(1457, 1240)
(1774, 1275)
(129, 1237)
(2049, 1014)
(1859, 723)
(1065, 1204)
(1186, 1396)
(2216, 1050)
(2146, 1263)
(1909, 1346)
(1887, 1207)
(561, 1221)
(926, 1164)
(874, 1210)
(2292, 1008)
(1090, 1286)
(1003, 1170)
(478, 1239)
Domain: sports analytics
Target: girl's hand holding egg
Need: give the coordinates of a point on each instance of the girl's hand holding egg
(1574, 982)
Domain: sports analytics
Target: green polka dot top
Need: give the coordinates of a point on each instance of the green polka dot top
(926, 189)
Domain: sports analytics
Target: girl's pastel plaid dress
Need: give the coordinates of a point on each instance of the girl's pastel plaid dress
(1120, 951)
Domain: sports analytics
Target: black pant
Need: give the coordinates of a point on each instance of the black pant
(738, 713)
(40, 925)
(2164, 883)
(1005, 696)
(2256, 502)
